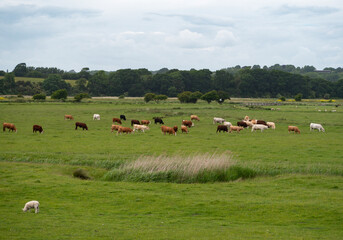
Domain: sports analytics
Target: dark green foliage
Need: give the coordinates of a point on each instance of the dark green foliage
(161, 97)
(298, 97)
(189, 97)
(210, 96)
(149, 97)
(39, 96)
(53, 83)
(282, 98)
(59, 94)
(20, 70)
(80, 96)
(80, 173)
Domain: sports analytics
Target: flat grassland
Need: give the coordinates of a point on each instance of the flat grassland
(296, 194)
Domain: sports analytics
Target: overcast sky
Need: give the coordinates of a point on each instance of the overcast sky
(182, 34)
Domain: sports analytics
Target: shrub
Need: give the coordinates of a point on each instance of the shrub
(39, 96)
(149, 97)
(298, 97)
(121, 96)
(59, 94)
(282, 98)
(80, 173)
(80, 96)
(160, 97)
(210, 96)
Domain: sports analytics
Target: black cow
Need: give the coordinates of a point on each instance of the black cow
(222, 128)
(122, 117)
(81, 125)
(37, 128)
(158, 120)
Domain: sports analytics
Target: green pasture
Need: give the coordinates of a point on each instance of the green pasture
(296, 194)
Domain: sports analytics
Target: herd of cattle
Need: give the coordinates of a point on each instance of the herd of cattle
(143, 125)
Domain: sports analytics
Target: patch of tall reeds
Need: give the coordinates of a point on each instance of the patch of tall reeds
(198, 168)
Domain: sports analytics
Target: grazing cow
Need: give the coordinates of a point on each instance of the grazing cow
(246, 118)
(158, 120)
(175, 128)
(116, 120)
(259, 127)
(222, 128)
(10, 126)
(195, 117)
(317, 126)
(169, 130)
(133, 121)
(184, 129)
(293, 129)
(124, 130)
(253, 121)
(235, 128)
(31, 204)
(271, 125)
(242, 124)
(70, 117)
(115, 127)
(261, 122)
(96, 116)
(122, 117)
(37, 128)
(81, 125)
(227, 124)
(139, 127)
(187, 123)
(249, 124)
(145, 122)
(218, 120)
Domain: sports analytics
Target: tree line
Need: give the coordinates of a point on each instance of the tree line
(234, 82)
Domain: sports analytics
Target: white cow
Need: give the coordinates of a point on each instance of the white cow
(227, 124)
(140, 127)
(259, 127)
(317, 126)
(271, 125)
(31, 204)
(96, 116)
(218, 120)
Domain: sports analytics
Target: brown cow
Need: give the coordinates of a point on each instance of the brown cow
(184, 129)
(124, 130)
(116, 120)
(81, 125)
(187, 123)
(294, 129)
(115, 127)
(10, 126)
(133, 121)
(195, 117)
(70, 117)
(261, 122)
(37, 128)
(222, 128)
(145, 122)
(242, 124)
(235, 128)
(169, 130)
(175, 128)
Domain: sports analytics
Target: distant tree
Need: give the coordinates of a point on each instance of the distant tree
(172, 91)
(210, 96)
(193, 98)
(7, 84)
(222, 96)
(80, 96)
(39, 96)
(53, 83)
(149, 97)
(298, 97)
(184, 97)
(20, 70)
(59, 94)
(160, 97)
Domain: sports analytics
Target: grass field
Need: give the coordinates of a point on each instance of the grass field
(296, 192)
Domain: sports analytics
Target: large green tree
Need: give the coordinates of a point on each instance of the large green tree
(54, 82)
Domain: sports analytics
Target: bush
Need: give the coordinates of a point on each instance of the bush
(210, 96)
(80, 96)
(149, 97)
(59, 94)
(282, 98)
(160, 97)
(189, 97)
(80, 173)
(39, 96)
(298, 97)
(121, 96)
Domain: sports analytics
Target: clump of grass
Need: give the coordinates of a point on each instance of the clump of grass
(179, 169)
(82, 174)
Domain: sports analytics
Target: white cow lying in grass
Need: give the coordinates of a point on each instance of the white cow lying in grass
(259, 127)
(31, 204)
(218, 120)
(96, 116)
(137, 127)
(317, 126)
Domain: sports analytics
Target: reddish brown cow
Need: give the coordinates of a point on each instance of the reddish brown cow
(37, 128)
(169, 130)
(293, 129)
(133, 121)
(10, 126)
(222, 128)
(116, 120)
(261, 122)
(175, 128)
(187, 123)
(81, 125)
(145, 122)
(242, 124)
(124, 130)
(70, 117)
(184, 129)
(195, 117)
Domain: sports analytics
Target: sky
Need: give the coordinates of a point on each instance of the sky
(182, 34)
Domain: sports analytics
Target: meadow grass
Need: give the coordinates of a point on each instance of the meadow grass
(293, 189)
